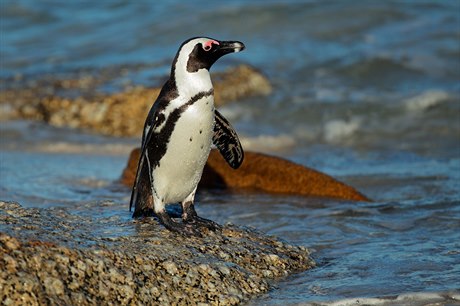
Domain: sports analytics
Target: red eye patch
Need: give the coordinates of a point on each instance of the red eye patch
(208, 45)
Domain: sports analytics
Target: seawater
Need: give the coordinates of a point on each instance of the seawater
(366, 91)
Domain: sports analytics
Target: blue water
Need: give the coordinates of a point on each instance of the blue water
(365, 91)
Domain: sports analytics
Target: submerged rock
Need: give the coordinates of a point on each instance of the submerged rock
(264, 173)
(119, 114)
(50, 256)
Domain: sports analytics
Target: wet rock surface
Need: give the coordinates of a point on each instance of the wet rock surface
(52, 256)
(78, 102)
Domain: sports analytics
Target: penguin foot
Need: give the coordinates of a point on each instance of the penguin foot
(189, 216)
(202, 222)
(180, 228)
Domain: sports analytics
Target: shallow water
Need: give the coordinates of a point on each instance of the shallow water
(367, 92)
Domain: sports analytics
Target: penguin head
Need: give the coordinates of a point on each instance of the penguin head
(203, 52)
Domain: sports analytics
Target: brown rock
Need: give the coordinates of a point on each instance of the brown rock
(145, 264)
(264, 173)
(113, 114)
(239, 82)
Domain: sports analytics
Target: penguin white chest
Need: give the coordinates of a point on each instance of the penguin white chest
(180, 169)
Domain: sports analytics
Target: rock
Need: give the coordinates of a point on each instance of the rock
(239, 82)
(53, 286)
(119, 114)
(264, 173)
(75, 263)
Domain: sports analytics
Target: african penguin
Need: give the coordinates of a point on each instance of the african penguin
(178, 133)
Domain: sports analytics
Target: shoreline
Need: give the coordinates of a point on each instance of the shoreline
(52, 256)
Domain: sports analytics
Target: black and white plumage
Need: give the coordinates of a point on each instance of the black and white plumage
(178, 133)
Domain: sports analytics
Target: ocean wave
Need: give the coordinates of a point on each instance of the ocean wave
(269, 143)
(408, 299)
(338, 129)
(426, 100)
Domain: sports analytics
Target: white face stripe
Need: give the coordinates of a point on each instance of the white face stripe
(190, 83)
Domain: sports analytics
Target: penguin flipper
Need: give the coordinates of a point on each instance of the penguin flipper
(226, 140)
(141, 195)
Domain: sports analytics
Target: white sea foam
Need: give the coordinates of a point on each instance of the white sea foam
(337, 130)
(407, 299)
(268, 143)
(426, 100)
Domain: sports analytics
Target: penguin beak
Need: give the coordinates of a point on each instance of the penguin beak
(226, 47)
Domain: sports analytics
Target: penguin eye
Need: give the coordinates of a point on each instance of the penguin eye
(207, 46)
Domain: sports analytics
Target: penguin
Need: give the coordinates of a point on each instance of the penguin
(179, 131)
